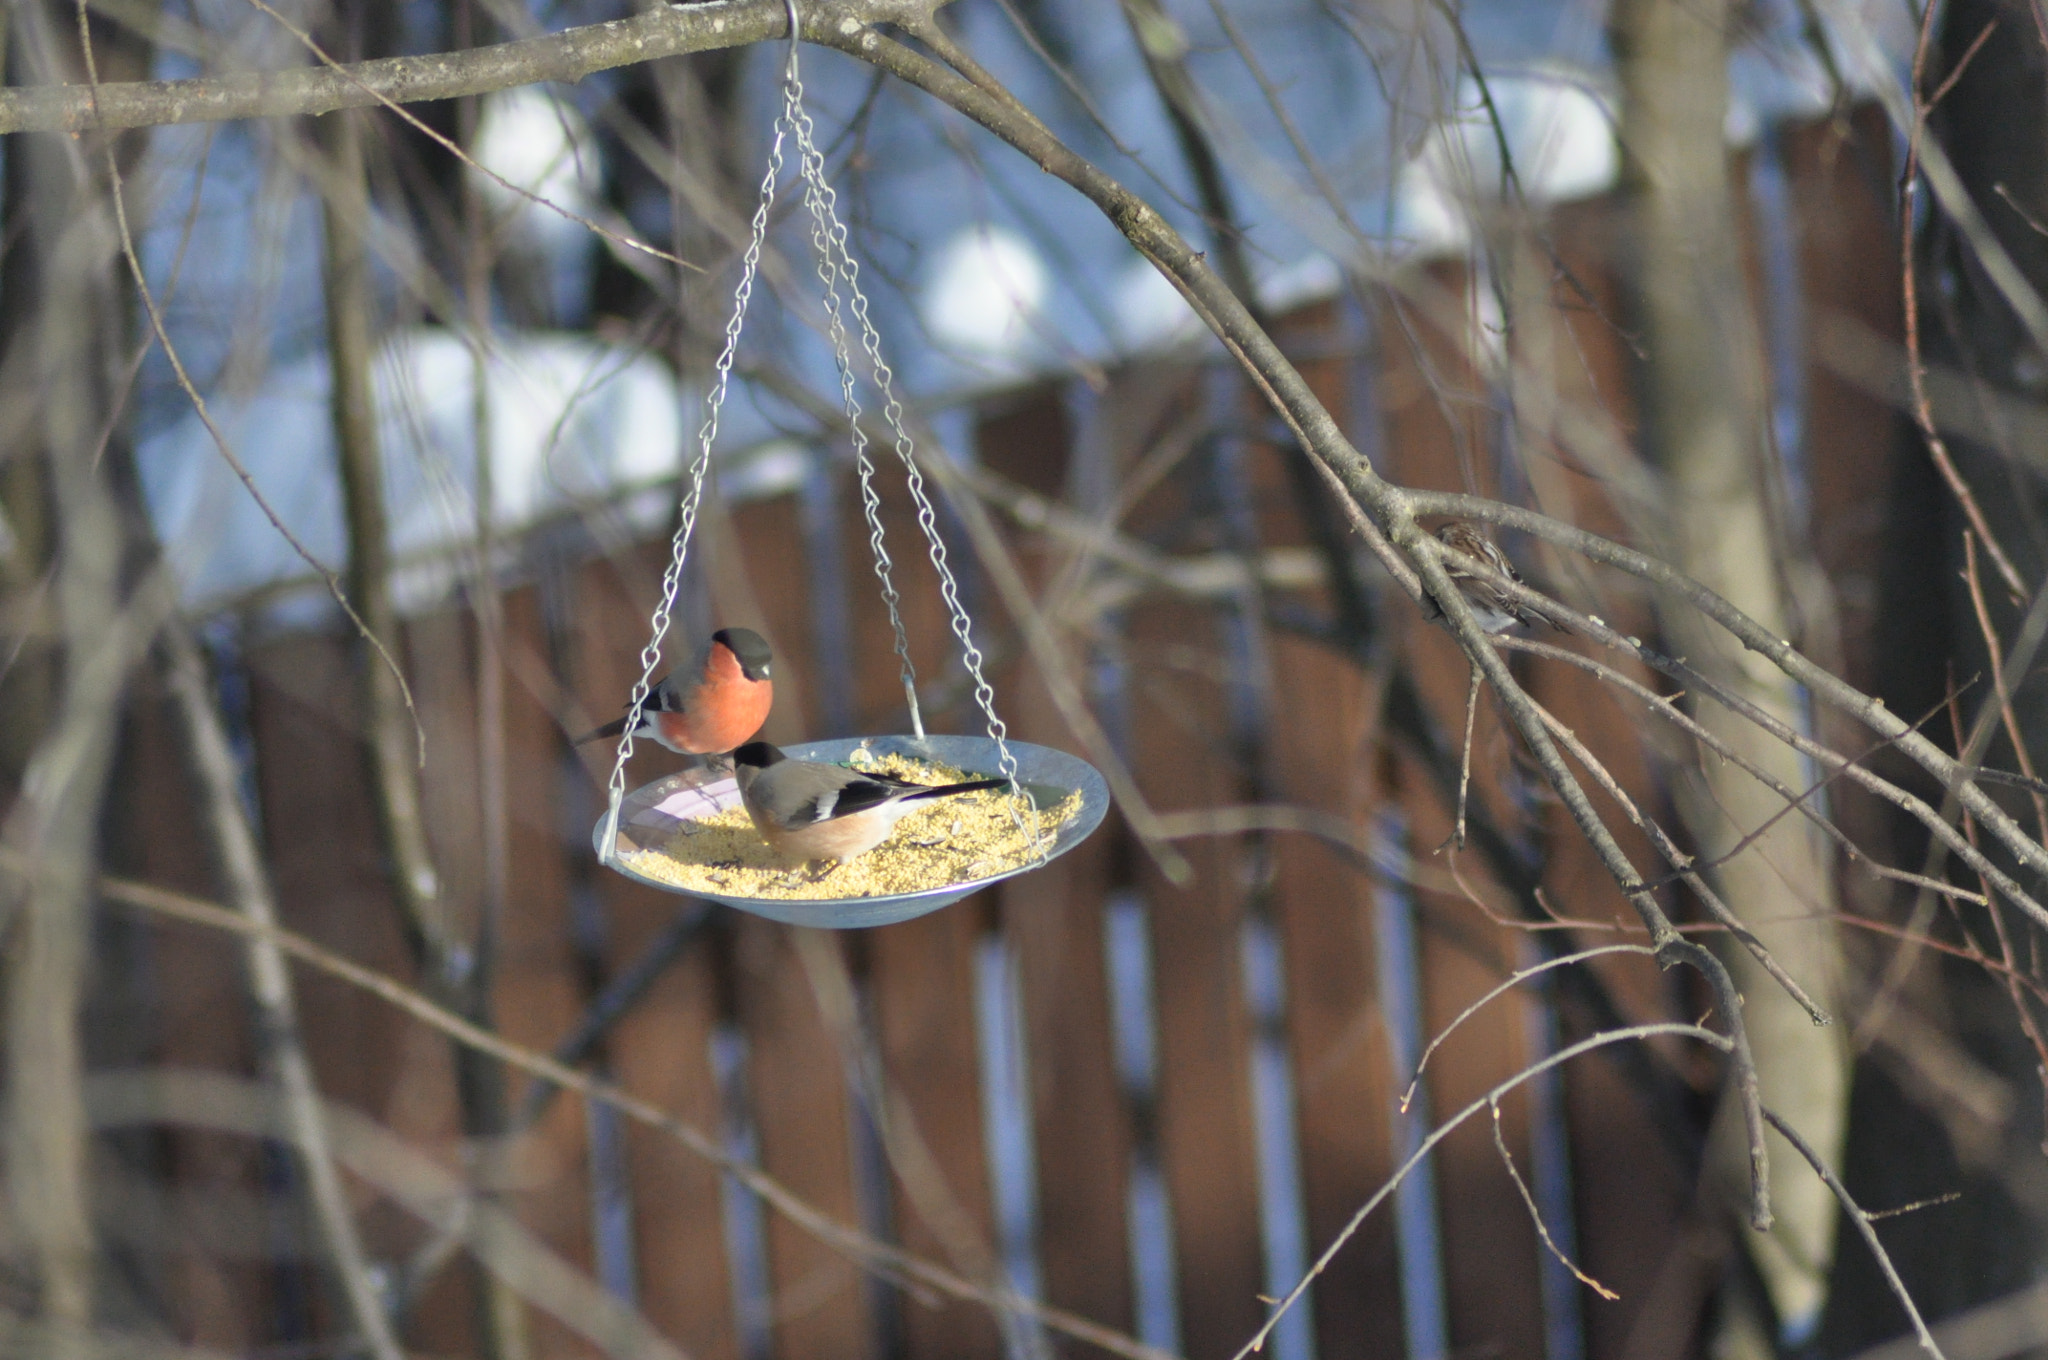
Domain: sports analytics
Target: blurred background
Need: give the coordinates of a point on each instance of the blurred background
(1754, 287)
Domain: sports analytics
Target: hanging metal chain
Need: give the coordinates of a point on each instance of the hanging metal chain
(672, 578)
(836, 261)
(818, 199)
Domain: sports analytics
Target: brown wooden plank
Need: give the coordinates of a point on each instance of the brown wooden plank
(1436, 437)
(1053, 921)
(922, 975)
(661, 1049)
(325, 859)
(821, 1306)
(440, 653)
(330, 877)
(1344, 1096)
(1632, 1195)
(199, 1019)
(1081, 1123)
(1207, 1139)
(540, 988)
(1845, 224)
(440, 660)
(1319, 754)
(1179, 748)
(1858, 445)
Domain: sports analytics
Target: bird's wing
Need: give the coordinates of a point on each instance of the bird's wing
(672, 695)
(870, 791)
(799, 794)
(861, 793)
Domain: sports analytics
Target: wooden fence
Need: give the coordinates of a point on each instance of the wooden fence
(1157, 1159)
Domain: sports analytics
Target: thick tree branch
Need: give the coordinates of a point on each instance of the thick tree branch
(665, 31)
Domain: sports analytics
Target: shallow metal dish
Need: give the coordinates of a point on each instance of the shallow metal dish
(650, 814)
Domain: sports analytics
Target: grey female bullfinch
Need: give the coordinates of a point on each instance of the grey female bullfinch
(807, 811)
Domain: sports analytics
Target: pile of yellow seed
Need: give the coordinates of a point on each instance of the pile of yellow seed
(945, 842)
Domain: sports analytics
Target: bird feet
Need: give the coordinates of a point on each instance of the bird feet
(808, 873)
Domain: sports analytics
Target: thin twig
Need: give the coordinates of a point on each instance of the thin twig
(1465, 762)
(2033, 633)
(227, 452)
(1916, 371)
(1507, 1160)
(1999, 688)
(1631, 1034)
(868, 1251)
(461, 154)
(1672, 947)
(2003, 694)
(1666, 705)
(1686, 870)
(1863, 1227)
(1909, 803)
(1932, 1202)
(1513, 981)
(1824, 685)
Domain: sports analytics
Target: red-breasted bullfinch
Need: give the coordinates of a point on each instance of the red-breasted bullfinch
(712, 705)
(807, 811)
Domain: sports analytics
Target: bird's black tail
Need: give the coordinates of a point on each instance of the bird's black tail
(610, 729)
(971, 786)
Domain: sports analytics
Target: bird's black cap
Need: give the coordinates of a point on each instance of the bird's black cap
(758, 755)
(751, 649)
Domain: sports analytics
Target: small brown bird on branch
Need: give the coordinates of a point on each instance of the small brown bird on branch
(1496, 609)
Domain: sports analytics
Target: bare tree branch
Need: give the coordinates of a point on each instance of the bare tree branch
(857, 1245)
(247, 884)
(1862, 1220)
(664, 31)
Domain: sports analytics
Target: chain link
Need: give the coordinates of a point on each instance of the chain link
(714, 401)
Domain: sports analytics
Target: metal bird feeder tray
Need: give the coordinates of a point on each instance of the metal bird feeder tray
(653, 812)
(649, 816)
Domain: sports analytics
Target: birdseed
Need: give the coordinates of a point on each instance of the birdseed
(944, 843)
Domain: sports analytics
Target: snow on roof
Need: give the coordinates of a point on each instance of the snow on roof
(572, 421)
(983, 270)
